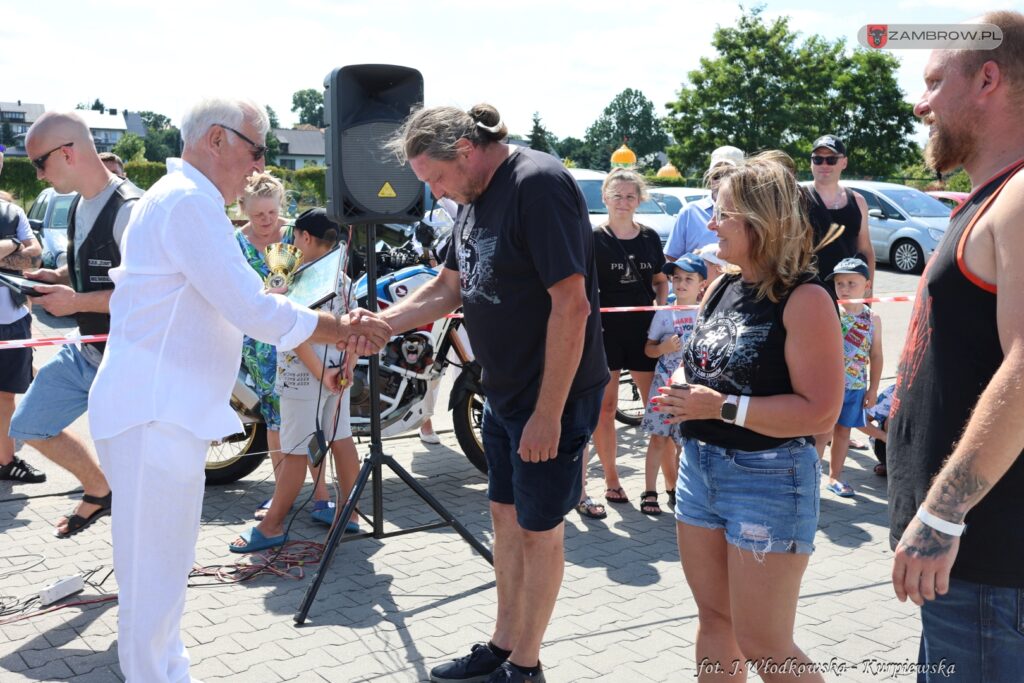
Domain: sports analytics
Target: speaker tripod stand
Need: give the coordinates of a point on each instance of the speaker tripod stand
(372, 468)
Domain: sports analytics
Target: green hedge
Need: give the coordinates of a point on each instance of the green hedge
(655, 181)
(145, 173)
(19, 178)
(311, 180)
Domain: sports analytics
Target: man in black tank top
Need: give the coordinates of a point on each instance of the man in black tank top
(957, 424)
(829, 203)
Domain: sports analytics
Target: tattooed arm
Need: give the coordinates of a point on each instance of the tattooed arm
(993, 438)
(29, 256)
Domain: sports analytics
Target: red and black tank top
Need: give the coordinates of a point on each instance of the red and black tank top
(951, 353)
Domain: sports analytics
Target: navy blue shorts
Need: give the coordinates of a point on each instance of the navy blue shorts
(16, 364)
(542, 492)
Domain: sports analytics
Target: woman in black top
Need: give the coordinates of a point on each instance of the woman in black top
(765, 371)
(629, 260)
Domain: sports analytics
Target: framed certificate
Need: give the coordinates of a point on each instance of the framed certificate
(313, 284)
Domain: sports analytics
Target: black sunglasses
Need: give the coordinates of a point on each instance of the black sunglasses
(40, 161)
(831, 161)
(258, 151)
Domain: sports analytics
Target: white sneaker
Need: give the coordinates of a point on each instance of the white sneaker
(430, 438)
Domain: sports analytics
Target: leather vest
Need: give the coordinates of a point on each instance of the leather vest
(89, 267)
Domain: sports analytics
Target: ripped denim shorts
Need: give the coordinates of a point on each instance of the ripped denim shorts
(766, 501)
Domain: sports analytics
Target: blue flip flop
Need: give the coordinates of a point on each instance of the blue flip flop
(323, 512)
(841, 489)
(256, 541)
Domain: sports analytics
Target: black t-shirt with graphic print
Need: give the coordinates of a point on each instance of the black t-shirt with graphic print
(627, 284)
(528, 231)
(738, 347)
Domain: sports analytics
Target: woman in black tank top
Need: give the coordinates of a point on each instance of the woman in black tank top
(765, 371)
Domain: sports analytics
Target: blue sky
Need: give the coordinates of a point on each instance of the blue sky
(564, 59)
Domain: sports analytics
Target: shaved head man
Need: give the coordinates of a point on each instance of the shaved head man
(61, 149)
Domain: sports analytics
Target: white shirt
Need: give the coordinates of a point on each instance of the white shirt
(183, 296)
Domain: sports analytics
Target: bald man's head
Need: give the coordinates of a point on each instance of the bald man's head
(53, 128)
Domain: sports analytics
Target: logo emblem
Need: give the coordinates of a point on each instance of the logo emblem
(878, 35)
(401, 290)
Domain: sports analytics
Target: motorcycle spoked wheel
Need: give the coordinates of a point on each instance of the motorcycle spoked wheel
(630, 408)
(229, 460)
(467, 416)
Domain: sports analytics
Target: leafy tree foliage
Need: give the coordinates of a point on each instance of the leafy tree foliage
(162, 139)
(629, 118)
(272, 115)
(130, 147)
(579, 152)
(540, 137)
(309, 104)
(768, 90)
(7, 138)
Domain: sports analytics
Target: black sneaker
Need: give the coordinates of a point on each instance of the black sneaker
(20, 471)
(507, 673)
(476, 667)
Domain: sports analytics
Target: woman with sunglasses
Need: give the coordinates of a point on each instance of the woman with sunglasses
(764, 367)
(831, 204)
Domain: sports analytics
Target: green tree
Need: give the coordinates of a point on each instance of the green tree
(579, 152)
(768, 90)
(162, 139)
(154, 121)
(272, 115)
(309, 104)
(540, 138)
(7, 138)
(130, 147)
(628, 117)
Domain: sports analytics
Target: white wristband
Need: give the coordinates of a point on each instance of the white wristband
(741, 411)
(948, 528)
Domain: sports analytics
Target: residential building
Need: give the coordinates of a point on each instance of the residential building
(300, 148)
(107, 127)
(19, 116)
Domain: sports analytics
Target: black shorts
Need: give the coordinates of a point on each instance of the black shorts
(16, 364)
(624, 339)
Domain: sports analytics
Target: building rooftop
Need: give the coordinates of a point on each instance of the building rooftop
(301, 142)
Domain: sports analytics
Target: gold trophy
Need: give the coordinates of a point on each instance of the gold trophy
(283, 260)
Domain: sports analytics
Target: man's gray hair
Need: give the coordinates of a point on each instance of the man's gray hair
(436, 131)
(213, 111)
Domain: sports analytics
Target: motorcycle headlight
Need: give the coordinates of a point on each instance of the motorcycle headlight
(936, 234)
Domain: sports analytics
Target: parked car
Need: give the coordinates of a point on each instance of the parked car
(49, 219)
(950, 199)
(673, 199)
(649, 213)
(906, 225)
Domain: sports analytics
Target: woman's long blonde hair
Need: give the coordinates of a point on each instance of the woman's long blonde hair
(766, 197)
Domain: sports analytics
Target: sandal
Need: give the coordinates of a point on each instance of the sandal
(588, 507)
(616, 495)
(671, 499)
(255, 541)
(261, 511)
(841, 489)
(78, 523)
(649, 503)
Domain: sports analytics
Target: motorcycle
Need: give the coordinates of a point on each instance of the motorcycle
(411, 367)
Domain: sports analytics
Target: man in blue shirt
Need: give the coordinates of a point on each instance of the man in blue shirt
(690, 232)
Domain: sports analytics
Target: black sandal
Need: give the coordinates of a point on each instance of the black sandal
(78, 523)
(588, 507)
(616, 495)
(649, 503)
(671, 493)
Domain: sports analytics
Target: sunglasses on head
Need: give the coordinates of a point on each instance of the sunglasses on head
(40, 161)
(258, 151)
(831, 161)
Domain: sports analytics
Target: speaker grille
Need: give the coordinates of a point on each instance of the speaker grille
(373, 178)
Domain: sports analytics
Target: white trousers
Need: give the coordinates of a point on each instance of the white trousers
(156, 475)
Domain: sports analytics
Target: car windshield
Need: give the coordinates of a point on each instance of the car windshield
(917, 203)
(592, 193)
(670, 203)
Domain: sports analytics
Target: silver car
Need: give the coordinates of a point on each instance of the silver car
(649, 213)
(49, 220)
(906, 225)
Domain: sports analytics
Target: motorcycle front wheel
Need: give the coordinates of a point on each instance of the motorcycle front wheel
(467, 417)
(236, 456)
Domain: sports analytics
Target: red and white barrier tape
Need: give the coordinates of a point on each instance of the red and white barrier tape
(60, 341)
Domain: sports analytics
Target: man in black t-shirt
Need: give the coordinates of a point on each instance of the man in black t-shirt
(956, 431)
(521, 264)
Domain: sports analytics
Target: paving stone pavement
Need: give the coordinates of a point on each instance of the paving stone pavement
(391, 609)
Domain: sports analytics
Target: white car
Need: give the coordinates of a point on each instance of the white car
(673, 199)
(649, 213)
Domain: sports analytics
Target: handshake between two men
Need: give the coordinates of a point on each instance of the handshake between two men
(359, 332)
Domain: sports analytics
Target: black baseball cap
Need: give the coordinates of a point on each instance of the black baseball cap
(850, 265)
(830, 142)
(315, 222)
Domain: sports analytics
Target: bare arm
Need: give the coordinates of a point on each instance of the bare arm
(991, 442)
(660, 283)
(876, 362)
(864, 237)
(563, 349)
(310, 359)
(26, 257)
(814, 355)
(440, 296)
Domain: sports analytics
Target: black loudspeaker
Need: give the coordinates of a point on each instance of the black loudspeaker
(364, 106)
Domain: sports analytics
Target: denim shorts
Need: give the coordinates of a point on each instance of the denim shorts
(853, 415)
(975, 629)
(766, 501)
(58, 396)
(542, 492)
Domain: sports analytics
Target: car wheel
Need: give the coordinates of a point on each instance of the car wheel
(907, 257)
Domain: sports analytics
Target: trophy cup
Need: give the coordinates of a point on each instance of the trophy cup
(283, 260)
